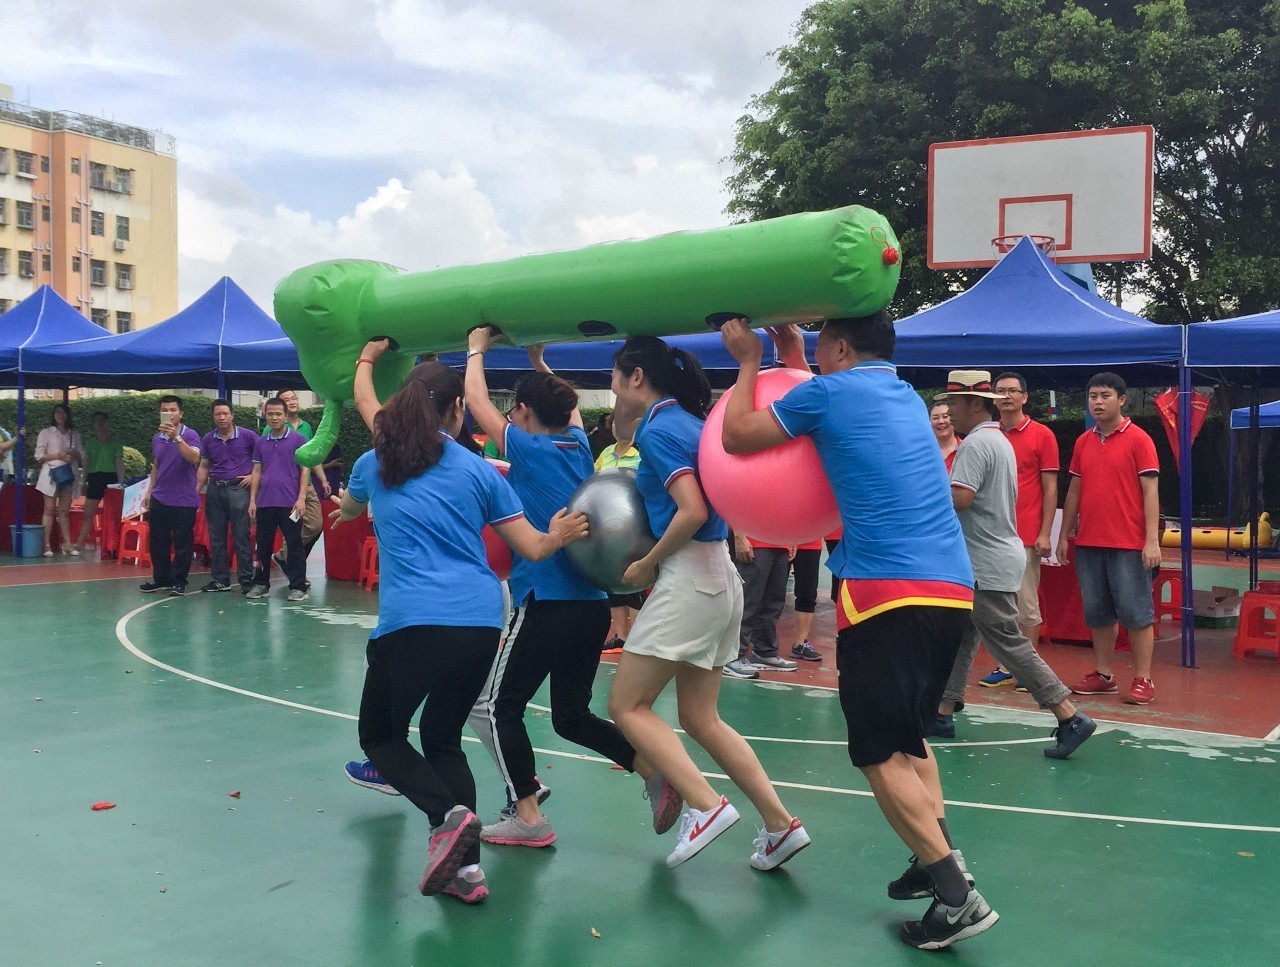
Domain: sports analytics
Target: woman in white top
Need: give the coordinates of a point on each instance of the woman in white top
(58, 445)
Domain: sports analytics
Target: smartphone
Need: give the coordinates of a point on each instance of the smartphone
(294, 516)
(166, 419)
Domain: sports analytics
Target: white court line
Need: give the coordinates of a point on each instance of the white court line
(123, 637)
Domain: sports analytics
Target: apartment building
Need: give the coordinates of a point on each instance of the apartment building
(88, 206)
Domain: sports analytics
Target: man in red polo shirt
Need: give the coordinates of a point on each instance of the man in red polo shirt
(1114, 475)
(1036, 450)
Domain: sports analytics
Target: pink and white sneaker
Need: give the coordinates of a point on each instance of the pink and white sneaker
(698, 829)
(774, 849)
(468, 887)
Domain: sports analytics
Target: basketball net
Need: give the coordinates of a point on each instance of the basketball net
(1004, 244)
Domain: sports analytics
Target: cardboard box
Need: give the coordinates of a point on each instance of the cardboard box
(1218, 607)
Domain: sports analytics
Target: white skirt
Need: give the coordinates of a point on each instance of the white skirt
(694, 614)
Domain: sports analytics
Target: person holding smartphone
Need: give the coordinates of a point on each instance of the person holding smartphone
(172, 500)
(277, 499)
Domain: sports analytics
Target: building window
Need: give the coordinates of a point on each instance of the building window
(4, 261)
(4, 161)
(97, 223)
(46, 213)
(75, 263)
(99, 317)
(124, 322)
(44, 162)
(26, 265)
(75, 166)
(26, 214)
(97, 175)
(124, 181)
(4, 211)
(26, 162)
(124, 276)
(46, 262)
(5, 305)
(97, 272)
(75, 215)
(122, 228)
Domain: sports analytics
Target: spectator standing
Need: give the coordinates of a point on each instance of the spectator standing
(172, 500)
(312, 516)
(57, 446)
(103, 466)
(277, 498)
(8, 442)
(225, 475)
(940, 419)
(804, 566)
(601, 435)
(1113, 492)
(764, 569)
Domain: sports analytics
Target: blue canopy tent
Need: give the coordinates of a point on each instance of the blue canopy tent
(185, 350)
(44, 318)
(1027, 314)
(589, 365)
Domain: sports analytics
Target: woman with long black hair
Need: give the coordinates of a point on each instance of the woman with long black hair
(689, 628)
(431, 499)
(558, 619)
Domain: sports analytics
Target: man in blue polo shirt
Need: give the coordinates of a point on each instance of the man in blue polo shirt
(226, 470)
(277, 499)
(905, 584)
(172, 500)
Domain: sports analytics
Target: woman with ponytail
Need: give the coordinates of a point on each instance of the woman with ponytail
(431, 499)
(689, 627)
(558, 619)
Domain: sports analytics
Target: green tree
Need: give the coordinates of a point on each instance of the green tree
(868, 85)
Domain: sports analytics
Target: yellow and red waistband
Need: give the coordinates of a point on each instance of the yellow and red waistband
(861, 598)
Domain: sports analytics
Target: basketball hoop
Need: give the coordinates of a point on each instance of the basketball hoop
(1004, 244)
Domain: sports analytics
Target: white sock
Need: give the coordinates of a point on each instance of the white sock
(469, 868)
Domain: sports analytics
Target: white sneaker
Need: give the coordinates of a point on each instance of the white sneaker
(774, 849)
(740, 668)
(698, 828)
(774, 663)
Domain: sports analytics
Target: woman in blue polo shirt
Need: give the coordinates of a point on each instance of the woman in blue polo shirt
(558, 619)
(689, 627)
(431, 499)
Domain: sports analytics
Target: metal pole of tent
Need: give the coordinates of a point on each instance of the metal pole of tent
(1184, 508)
(1255, 511)
(19, 458)
(222, 385)
(1231, 477)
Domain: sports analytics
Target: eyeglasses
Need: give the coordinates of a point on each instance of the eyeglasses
(1010, 391)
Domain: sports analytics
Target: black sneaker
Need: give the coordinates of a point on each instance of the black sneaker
(944, 925)
(1070, 734)
(151, 586)
(216, 586)
(944, 727)
(916, 883)
(177, 591)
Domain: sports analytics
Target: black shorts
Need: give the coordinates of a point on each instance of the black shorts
(98, 484)
(893, 669)
(633, 601)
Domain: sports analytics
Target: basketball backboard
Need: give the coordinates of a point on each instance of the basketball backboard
(1089, 190)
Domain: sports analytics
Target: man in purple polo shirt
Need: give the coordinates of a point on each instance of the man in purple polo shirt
(226, 467)
(277, 499)
(172, 500)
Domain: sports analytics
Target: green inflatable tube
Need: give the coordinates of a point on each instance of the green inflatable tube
(797, 268)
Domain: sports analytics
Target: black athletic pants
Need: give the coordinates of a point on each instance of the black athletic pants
(295, 565)
(170, 529)
(441, 669)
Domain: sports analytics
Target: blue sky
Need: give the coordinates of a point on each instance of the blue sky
(419, 132)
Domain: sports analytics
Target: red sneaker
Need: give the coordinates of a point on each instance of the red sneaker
(1095, 684)
(1141, 692)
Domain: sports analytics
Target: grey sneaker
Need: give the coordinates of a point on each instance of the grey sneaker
(741, 668)
(916, 883)
(296, 595)
(944, 925)
(514, 831)
(774, 663)
(665, 802)
(258, 591)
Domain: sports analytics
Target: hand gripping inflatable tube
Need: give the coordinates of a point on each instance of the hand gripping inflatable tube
(797, 268)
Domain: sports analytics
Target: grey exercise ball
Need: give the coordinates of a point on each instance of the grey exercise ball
(620, 533)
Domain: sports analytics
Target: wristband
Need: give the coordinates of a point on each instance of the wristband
(363, 360)
(474, 352)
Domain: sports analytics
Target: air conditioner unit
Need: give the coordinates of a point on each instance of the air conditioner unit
(26, 273)
(124, 284)
(120, 244)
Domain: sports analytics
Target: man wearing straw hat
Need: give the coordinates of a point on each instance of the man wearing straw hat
(984, 490)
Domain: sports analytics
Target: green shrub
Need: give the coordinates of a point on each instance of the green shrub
(135, 465)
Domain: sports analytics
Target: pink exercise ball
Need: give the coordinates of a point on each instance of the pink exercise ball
(495, 548)
(778, 496)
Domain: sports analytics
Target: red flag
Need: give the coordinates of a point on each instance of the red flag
(1167, 406)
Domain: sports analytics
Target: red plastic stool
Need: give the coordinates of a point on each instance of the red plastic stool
(1172, 581)
(1257, 631)
(136, 550)
(369, 563)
